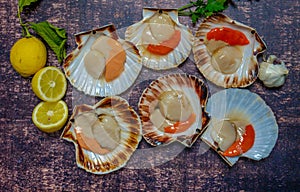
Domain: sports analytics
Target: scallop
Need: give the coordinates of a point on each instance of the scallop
(175, 106)
(238, 108)
(162, 41)
(224, 134)
(102, 64)
(104, 135)
(225, 64)
(172, 100)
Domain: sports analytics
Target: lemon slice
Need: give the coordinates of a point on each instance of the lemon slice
(49, 84)
(50, 116)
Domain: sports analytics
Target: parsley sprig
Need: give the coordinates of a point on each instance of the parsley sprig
(200, 8)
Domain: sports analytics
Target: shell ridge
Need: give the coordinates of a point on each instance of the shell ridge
(179, 82)
(78, 76)
(118, 157)
(242, 104)
(162, 62)
(247, 72)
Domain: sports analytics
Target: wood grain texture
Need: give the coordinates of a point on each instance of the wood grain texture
(34, 161)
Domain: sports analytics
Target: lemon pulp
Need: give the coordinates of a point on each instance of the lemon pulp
(50, 116)
(49, 84)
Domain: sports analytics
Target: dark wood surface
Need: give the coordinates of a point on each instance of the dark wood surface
(34, 161)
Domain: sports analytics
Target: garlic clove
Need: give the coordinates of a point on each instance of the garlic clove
(272, 75)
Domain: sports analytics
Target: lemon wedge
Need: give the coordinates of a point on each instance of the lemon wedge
(50, 116)
(49, 84)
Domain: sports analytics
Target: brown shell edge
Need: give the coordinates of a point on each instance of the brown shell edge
(202, 59)
(155, 139)
(122, 158)
(188, 141)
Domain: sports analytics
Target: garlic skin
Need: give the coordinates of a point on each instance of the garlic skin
(272, 75)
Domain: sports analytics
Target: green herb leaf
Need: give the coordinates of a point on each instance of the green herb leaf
(202, 8)
(23, 3)
(55, 37)
(215, 6)
(194, 17)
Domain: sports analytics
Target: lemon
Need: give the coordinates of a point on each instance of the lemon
(50, 116)
(28, 55)
(49, 84)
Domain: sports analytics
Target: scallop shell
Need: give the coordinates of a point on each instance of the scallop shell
(171, 60)
(247, 72)
(129, 138)
(83, 81)
(244, 105)
(197, 93)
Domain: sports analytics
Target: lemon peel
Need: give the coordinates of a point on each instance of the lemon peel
(28, 55)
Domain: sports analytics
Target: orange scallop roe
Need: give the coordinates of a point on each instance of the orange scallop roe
(228, 35)
(115, 61)
(166, 46)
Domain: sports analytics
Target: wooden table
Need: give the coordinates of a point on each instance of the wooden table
(34, 161)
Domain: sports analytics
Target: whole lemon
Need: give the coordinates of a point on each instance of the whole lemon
(28, 55)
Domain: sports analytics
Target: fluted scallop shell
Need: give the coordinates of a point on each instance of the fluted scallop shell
(196, 92)
(171, 60)
(83, 81)
(247, 72)
(241, 104)
(130, 136)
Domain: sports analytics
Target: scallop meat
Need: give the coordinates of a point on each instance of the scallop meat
(162, 41)
(242, 125)
(172, 109)
(104, 135)
(225, 51)
(102, 64)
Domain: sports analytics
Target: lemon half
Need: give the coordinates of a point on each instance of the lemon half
(28, 55)
(50, 116)
(49, 84)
